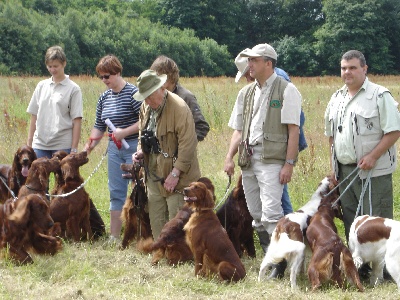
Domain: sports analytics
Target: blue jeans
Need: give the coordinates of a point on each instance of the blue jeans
(286, 204)
(48, 153)
(302, 138)
(118, 185)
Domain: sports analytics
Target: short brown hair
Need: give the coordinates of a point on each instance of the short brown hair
(55, 53)
(109, 64)
(166, 65)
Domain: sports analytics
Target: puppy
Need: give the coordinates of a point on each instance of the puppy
(212, 249)
(376, 240)
(330, 257)
(287, 239)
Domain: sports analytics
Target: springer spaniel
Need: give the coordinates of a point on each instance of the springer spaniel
(376, 240)
(287, 240)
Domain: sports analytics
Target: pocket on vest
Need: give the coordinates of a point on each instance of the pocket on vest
(275, 146)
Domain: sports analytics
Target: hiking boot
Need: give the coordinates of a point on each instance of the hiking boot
(263, 236)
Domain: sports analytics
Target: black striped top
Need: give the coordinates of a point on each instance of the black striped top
(120, 108)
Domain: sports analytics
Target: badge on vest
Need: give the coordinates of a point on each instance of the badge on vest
(275, 104)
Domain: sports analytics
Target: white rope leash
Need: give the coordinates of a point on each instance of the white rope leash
(84, 183)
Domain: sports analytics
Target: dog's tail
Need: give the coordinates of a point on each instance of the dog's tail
(349, 269)
(146, 245)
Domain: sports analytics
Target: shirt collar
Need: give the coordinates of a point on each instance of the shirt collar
(268, 82)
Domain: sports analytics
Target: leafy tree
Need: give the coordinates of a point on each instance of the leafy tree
(356, 24)
(220, 20)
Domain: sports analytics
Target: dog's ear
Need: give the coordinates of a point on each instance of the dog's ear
(43, 176)
(16, 157)
(21, 214)
(67, 171)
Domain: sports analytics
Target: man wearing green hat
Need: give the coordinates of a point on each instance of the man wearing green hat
(168, 146)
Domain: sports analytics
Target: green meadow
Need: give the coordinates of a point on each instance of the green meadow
(95, 271)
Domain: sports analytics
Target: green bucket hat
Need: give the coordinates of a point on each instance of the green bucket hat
(148, 82)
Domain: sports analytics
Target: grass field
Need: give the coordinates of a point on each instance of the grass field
(93, 271)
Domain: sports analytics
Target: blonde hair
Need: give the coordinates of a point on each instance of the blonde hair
(55, 53)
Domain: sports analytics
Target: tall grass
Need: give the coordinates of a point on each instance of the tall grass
(93, 271)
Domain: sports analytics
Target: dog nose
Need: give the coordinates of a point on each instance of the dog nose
(50, 224)
(25, 160)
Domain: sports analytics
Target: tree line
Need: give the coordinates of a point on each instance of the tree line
(203, 37)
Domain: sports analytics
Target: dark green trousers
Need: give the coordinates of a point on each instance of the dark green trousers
(381, 196)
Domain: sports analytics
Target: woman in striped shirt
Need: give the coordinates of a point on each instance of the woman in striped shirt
(117, 105)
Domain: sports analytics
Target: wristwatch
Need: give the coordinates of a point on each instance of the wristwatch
(174, 175)
(291, 162)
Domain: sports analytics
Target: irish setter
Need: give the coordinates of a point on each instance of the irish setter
(212, 249)
(15, 175)
(25, 223)
(376, 240)
(96, 222)
(236, 219)
(134, 213)
(38, 176)
(171, 243)
(72, 211)
(287, 239)
(330, 257)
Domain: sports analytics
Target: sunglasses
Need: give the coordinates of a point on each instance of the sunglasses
(105, 76)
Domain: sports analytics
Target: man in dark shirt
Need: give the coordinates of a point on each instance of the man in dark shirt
(165, 65)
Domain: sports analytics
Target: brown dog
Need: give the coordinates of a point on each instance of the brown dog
(330, 257)
(212, 249)
(96, 222)
(38, 176)
(134, 215)
(15, 175)
(237, 221)
(72, 211)
(171, 243)
(24, 226)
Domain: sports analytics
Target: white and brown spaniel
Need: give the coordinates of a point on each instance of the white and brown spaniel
(287, 240)
(376, 240)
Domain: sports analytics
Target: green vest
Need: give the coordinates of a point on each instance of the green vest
(275, 140)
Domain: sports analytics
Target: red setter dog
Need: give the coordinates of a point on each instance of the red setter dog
(38, 176)
(96, 222)
(24, 227)
(236, 219)
(171, 242)
(134, 215)
(330, 257)
(287, 239)
(16, 174)
(72, 211)
(212, 249)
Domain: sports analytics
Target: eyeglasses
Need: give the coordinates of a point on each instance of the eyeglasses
(105, 76)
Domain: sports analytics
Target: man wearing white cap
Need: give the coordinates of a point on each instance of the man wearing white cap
(168, 145)
(266, 120)
(243, 71)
